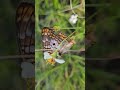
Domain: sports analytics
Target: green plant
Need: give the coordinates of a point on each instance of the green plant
(71, 74)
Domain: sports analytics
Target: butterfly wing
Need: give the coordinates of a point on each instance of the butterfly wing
(50, 40)
(53, 41)
(46, 37)
(25, 22)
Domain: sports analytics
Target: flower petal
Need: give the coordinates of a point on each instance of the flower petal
(47, 55)
(73, 19)
(59, 61)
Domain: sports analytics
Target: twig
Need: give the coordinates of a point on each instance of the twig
(72, 28)
(16, 56)
(39, 50)
(32, 56)
(103, 59)
(86, 5)
(97, 5)
(74, 51)
(69, 9)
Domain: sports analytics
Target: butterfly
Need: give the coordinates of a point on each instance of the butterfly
(25, 21)
(55, 44)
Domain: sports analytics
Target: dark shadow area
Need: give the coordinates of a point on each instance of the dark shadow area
(10, 68)
(103, 49)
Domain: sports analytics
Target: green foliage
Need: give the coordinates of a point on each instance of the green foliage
(71, 74)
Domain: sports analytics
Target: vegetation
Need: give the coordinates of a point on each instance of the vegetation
(71, 74)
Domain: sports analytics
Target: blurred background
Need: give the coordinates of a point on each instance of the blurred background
(103, 54)
(10, 70)
(71, 74)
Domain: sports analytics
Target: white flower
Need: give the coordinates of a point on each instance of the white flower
(28, 70)
(59, 61)
(47, 55)
(51, 59)
(73, 19)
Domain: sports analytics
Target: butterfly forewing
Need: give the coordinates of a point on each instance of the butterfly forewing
(46, 37)
(51, 40)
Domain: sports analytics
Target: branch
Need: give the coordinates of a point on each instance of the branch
(16, 56)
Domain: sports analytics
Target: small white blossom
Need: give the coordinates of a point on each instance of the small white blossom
(47, 56)
(73, 19)
(59, 61)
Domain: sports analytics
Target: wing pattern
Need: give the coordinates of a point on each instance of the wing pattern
(25, 20)
(26, 24)
(52, 40)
